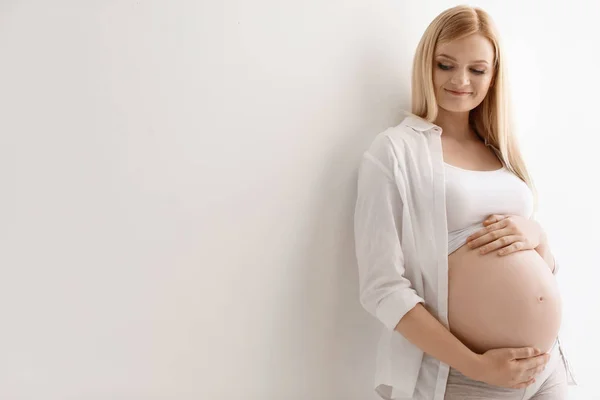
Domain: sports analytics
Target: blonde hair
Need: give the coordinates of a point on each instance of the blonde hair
(492, 118)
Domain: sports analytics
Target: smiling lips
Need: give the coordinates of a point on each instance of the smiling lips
(458, 93)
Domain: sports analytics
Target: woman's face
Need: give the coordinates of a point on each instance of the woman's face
(464, 66)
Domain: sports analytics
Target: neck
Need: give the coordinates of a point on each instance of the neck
(455, 125)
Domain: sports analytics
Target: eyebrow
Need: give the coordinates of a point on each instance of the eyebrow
(454, 59)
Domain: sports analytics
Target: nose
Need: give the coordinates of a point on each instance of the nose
(460, 78)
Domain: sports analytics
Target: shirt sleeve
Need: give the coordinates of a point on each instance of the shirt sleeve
(384, 291)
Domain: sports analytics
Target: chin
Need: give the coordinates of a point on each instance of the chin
(456, 107)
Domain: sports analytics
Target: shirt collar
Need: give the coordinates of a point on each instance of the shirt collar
(420, 124)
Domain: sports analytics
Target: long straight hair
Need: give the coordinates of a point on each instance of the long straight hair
(492, 118)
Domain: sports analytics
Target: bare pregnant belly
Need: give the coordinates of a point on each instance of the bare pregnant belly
(508, 301)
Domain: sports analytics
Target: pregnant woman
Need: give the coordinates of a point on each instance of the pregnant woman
(450, 258)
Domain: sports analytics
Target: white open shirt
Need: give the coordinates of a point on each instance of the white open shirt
(401, 240)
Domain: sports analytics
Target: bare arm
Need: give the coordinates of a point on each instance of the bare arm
(384, 290)
(423, 330)
(544, 251)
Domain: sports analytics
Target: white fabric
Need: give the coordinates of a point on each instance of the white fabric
(472, 196)
(401, 239)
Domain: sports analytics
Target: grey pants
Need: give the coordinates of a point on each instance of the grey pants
(550, 384)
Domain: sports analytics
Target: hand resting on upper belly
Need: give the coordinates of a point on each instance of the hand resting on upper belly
(502, 301)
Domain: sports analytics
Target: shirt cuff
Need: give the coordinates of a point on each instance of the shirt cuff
(391, 309)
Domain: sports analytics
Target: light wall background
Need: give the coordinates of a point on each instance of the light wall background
(178, 183)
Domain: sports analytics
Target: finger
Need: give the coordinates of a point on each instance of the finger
(502, 223)
(482, 232)
(475, 235)
(494, 218)
(483, 237)
(494, 240)
(533, 362)
(490, 220)
(525, 353)
(524, 384)
(516, 245)
(535, 371)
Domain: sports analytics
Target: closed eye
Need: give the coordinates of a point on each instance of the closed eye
(445, 67)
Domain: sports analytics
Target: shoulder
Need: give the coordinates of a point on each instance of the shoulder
(395, 143)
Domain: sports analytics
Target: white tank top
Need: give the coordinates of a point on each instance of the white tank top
(472, 196)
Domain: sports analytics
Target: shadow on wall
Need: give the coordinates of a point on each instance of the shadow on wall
(338, 337)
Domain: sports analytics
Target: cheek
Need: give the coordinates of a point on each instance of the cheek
(483, 86)
(487, 82)
(438, 78)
